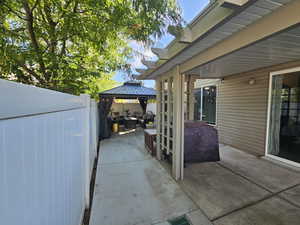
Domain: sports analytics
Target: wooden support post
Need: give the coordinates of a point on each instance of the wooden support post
(158, 119)
(169, 115)
(163, 121)
(191, 100)
(177, 167)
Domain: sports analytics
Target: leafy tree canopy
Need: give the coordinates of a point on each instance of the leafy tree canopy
(94, 85)
(64, 44)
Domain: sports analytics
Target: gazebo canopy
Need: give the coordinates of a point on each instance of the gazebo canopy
(130, 90)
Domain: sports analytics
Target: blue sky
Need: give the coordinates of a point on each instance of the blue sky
(190, 9)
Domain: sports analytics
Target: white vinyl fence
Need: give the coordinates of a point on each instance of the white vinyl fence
(48, 144)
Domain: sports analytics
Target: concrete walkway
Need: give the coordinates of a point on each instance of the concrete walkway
(132, 188)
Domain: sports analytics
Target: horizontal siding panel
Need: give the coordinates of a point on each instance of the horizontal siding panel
(247, 148)
(244, 133)
(244, 138)
(238, 95)
(241, 100)
(247, 144)
(245, 92)
(232, 120)
(238, 114)
(245, 128)
(242, 112)
(251, 108)
(244, 79)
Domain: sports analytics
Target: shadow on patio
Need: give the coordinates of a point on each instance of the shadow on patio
(134, 188)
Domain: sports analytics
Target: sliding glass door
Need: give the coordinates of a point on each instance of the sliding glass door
(284, 116)
(205, 104)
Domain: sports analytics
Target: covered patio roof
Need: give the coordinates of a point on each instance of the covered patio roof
(259, 33)
(130, 90)
(280, 48)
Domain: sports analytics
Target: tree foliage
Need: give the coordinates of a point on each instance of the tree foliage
(62, 44)
(94, 85)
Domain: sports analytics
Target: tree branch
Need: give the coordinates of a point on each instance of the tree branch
(63, 48)
(31, 72)
(35, 5)
(29, 17)
(16, 13)
(75, 7)
(52, 25)
(65, 8)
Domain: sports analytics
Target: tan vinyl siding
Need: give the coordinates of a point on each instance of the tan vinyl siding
(242, 109)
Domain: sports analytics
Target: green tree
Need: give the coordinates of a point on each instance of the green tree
(94, 85)
(64, 44)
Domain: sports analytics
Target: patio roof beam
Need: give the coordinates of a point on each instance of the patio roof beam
(149, 64)
(161, 53)
(232, 4)
(260, 30)
(141, 70)
(186, 36)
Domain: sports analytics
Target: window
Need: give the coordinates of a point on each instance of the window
(205, 104)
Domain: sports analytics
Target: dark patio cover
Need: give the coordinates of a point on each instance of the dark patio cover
(129, 90)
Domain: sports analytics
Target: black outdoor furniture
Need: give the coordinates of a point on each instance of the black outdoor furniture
(130, 122)
(148, 117)
(200, 142)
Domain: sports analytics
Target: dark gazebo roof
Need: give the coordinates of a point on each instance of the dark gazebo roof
(130, 90)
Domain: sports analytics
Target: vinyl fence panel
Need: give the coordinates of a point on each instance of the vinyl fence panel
(43, 156)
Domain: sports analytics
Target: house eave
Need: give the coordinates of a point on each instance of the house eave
(268, 23)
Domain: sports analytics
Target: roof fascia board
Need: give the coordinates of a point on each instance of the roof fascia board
(261, 29)
(213, 18)
(213, 15)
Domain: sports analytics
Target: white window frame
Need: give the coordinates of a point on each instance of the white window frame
(272, 74)
(200, 87)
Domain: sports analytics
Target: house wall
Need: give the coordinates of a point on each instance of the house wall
(242, 109)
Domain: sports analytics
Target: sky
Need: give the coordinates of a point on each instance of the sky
(190, 9)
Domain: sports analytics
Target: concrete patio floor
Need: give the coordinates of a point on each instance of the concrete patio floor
(132, 188)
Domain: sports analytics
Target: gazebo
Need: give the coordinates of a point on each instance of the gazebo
(129, 90)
